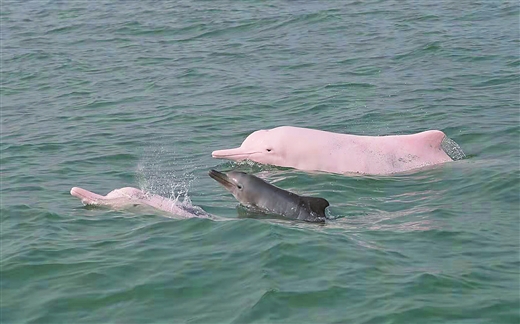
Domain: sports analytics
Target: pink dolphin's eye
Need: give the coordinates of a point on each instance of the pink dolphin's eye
(269, 150)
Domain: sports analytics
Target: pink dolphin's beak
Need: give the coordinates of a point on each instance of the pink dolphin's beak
(87, 197)
(235, 154)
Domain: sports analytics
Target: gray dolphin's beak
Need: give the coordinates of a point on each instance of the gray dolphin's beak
(236, 154)
(221, 178)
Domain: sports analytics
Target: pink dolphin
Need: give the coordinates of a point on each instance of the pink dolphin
(131, 197)
(315, 150)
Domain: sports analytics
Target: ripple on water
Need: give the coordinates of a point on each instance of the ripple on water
(109, 94)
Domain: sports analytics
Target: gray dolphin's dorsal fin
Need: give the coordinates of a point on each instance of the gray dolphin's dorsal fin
(316, 204)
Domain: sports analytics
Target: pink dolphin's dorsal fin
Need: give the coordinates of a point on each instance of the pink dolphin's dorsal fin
(433, 138)
(438, 140)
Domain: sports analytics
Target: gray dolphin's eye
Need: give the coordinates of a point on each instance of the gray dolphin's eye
(239, 187)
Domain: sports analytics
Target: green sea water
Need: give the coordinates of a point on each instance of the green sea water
(106, 94)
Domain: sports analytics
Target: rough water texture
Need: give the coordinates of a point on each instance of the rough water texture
(452, 149)
(110, 94)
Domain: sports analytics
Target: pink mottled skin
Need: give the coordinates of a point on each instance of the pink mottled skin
(132, 197)
(315, 150)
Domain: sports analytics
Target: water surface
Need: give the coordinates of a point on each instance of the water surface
(108, 94)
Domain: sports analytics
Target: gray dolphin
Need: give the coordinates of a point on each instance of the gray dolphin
(254, 192)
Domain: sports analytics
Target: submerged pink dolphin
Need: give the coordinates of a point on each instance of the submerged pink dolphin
(133, 197)
(315, 150)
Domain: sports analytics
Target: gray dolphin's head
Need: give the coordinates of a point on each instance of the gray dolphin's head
(246, 188)
(254, 192)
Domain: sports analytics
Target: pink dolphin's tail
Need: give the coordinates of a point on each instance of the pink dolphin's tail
(87, 197)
